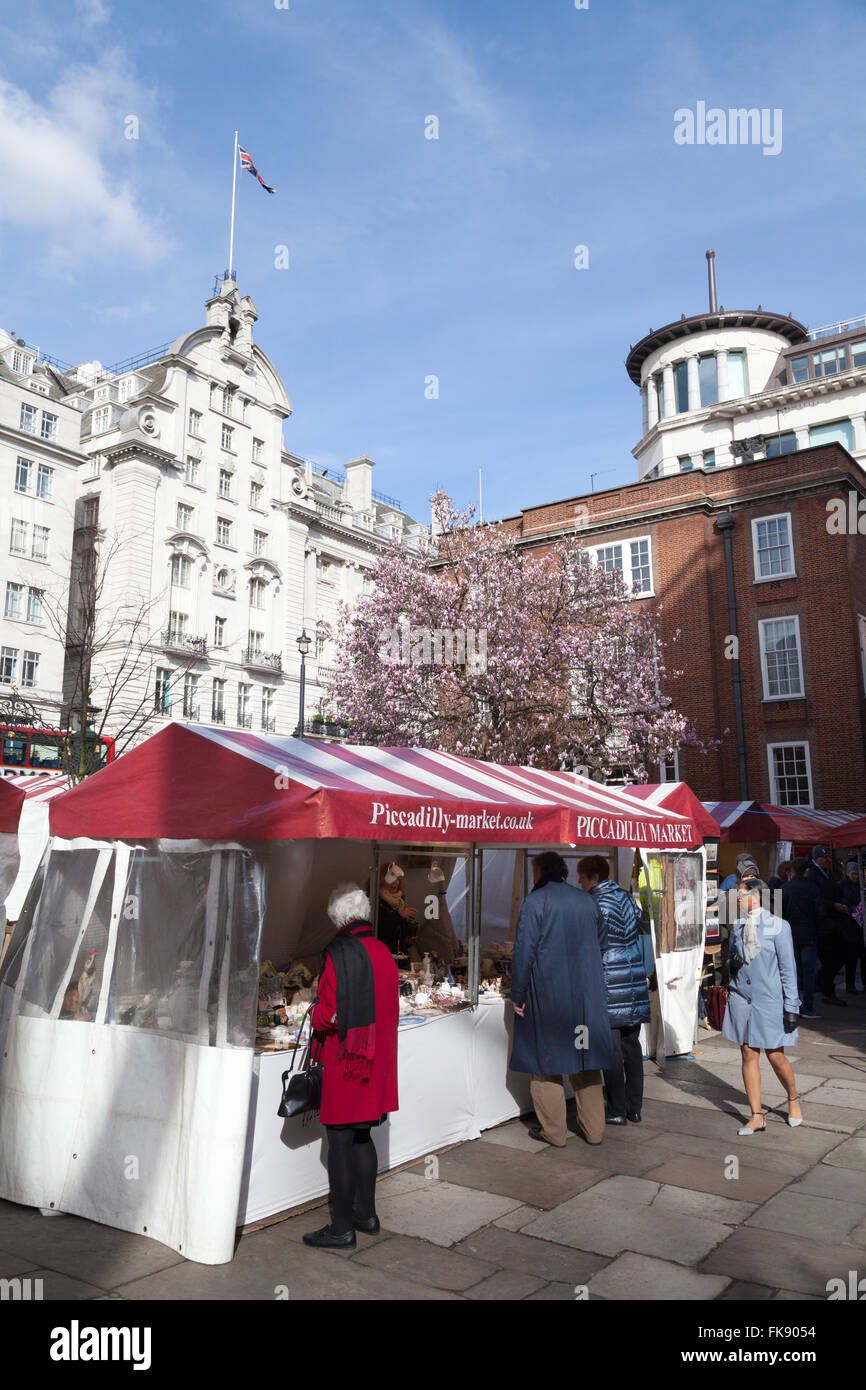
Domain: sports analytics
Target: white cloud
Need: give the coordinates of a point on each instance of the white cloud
(91, 11)
(58, 162)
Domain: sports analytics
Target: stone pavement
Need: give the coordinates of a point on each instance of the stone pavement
(674, 1208)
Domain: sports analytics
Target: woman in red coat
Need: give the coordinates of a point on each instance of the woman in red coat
(357, 1011)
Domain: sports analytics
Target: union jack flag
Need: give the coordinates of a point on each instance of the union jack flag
(247, 163)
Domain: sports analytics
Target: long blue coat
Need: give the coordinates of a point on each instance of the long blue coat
(763, 987)
(557, 973)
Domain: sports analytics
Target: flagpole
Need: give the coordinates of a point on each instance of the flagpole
(234, 187)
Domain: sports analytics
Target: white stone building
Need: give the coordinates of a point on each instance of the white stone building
(40, 458)
(729, 385)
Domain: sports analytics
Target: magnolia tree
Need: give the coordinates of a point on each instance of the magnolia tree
(477, 647)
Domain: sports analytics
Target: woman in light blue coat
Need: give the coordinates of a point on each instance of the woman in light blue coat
(763, 1002)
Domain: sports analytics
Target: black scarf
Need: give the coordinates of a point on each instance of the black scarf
(356, 1001)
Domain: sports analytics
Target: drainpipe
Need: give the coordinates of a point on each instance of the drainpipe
(725, 524)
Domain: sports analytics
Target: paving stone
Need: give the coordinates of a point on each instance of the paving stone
(772, 1160)
(590, 1223)
(787, 1296)
(825, 1180)
(563, 1293)
(812, 1218)
(637, 1277)
(858, 1235)
(705, 1204)
(394, 1184)
(835, 1094)
(506, 1284)
(810, 1143)
(424, 1263)
(12, 1265)
(745, 1293)
(633, 1159)
(708, 1175)
(514, 1220)
(441, 1212)
(60, 1288)
(634, 1192)
(513, 1136)
(295, 1227)
(546, 1260)
(759, 1256)
(850, 1154)
(492, 1168)
(631, 1133)
(87, 1250)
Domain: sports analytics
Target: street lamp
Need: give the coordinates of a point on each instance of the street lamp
(304, 644)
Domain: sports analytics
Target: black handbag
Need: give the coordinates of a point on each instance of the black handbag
(302, 1089)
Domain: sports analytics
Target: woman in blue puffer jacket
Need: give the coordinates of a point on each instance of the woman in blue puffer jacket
(625, 977)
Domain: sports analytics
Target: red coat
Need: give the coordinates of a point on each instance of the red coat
(345, 1102)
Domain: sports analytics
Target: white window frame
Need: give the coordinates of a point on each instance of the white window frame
(185, 519)
(774, 790)
(29, 660)
(34, 604)
(771, 578)
(39, 536)
(628, 541)
(781, 618)
(9, 654)
(219, 630)
(260, 543)
(44, 475)
(225, 522)
(192, 471)
(226, 437)
(194, 423)
(31, 414)
(676, 761)
(15, 592)
(48, 425)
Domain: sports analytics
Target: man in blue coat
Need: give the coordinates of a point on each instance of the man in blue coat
(560, 1003)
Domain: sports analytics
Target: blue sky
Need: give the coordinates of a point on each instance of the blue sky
(412, 257)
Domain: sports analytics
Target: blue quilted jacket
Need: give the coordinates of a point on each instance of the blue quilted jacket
(623, 958)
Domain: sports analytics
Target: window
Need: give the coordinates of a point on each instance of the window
(49, 426)
(709, 457)
(779, 444)
(669, 768)
(18, 537)
(181, 570)
(100, 419)
(218, 702)
(14, 600)
(90, 511)
(40, 543)
(636, 570)
(226, 437)
(799, 369)
(267, 708)
(325, 571)
(708, 377)
(244, 717)
(840, 431)
(681, 387)
(224, 531)
(44, 482)
(34, 605)
(192, 471)
(8, 664)
(256, 643)
(162, 692)
(260, 543)
(95, 467)
(21, 363)
(28, 419)
(194, 426)
(830, 362)
(781, 662)
(219, 632)
(190, 696)
(225, 483)
(185, 516)
(858, 354)
(29, 669)
(685, 463)
(23, 470)
(790, 774)
(660, 395)
(228, 400)
(256, 494)
(258, 593)
(223, 579)
(738, 384)
(258, 449)
(177, 627)
(771, 544)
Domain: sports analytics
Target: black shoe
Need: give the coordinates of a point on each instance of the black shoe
(834, 999)
(535, 1133)
(329, 1239)
(634, 1116)
(615, 1120)
(368, 1224)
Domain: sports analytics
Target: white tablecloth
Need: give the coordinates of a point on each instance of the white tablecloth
(453, 1082)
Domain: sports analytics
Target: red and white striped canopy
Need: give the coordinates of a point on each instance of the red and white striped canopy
(833, 827)
(679, 797)
(198, 782)
(742, 822)
(11, 801)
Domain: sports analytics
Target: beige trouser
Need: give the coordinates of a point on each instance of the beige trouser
(548, 1099)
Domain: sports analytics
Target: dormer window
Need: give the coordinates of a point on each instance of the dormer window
(22, 362)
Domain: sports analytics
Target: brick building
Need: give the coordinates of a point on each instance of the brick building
(792, 648)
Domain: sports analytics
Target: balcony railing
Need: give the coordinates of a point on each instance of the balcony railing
(269, 661)
(245, 721)
(217, 716)
(269, 725)
(179, 642)
(327, 728)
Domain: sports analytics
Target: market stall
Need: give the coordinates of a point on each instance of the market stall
(35, 790)
(11, 802)
(135, 1086)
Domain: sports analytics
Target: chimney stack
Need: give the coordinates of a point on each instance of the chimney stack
(711, 276)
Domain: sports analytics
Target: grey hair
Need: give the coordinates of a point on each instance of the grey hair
(347, 902)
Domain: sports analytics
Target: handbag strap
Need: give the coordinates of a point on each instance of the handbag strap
(306, 1062)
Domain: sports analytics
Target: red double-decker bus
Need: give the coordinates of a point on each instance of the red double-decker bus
(26, 749)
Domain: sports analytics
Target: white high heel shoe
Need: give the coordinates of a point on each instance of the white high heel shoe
(791, 1121)
(746, 1130)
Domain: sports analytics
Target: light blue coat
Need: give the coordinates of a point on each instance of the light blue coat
(763, 987)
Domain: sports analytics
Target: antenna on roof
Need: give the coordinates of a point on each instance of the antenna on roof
(711, 276)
